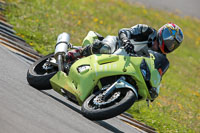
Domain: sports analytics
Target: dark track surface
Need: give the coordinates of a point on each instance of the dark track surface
(24, 109)
(180, 7)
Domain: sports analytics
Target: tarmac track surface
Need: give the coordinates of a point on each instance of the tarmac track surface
(24, 109)
(179, 7)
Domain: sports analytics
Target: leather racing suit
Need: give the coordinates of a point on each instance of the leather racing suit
(138, 33)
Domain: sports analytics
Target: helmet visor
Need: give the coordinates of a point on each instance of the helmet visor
(171, 40)
(166, 34)
(179, 36)
(170, 45)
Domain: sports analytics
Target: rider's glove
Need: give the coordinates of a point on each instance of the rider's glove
(129, 47)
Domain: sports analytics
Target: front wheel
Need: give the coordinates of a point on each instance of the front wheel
(38, 76)
(95, 108)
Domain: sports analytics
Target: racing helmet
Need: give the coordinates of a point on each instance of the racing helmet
(170, 36)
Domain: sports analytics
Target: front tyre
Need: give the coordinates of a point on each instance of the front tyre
(39, 77)
(94, 108)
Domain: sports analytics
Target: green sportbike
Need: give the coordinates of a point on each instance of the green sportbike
(105, 85)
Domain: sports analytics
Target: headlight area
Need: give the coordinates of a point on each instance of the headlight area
(147, 75)
(83, 68)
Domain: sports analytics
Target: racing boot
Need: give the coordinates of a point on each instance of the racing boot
(73, 55)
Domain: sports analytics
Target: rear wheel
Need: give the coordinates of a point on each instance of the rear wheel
(95, 108)
(40, 73)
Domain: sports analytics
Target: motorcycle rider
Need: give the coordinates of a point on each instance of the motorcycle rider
(166, 40)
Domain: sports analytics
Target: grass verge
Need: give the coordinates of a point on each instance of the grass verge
(177, 107)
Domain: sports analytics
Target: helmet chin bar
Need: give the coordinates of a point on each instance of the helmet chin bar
(162, 47)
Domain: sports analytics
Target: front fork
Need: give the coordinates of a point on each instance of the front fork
(120, 83)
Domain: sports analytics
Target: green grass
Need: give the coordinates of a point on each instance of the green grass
(177, 109)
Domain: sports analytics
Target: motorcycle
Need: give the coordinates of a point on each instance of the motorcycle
(105, 85)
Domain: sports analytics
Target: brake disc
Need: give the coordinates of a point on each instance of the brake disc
(98, 100)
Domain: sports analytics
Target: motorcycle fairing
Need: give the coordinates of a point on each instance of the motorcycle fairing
(82, 80)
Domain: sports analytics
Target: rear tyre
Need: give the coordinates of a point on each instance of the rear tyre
(96, 109)
(39, 77)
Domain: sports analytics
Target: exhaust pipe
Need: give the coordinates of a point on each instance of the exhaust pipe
(61, 49)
